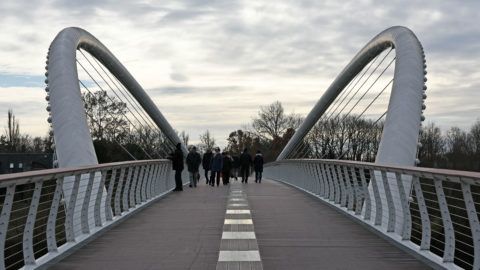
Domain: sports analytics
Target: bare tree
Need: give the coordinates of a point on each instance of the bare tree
(184, 137)
(207, 141)
(272, 122)
(12, 133)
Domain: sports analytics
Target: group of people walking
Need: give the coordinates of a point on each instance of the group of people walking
(220, 165)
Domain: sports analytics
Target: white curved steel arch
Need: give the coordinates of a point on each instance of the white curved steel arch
(399, 140)
(74, 146)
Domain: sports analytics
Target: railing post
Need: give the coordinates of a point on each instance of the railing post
(472, 220)
(342, 184)
(321, 181)
(366, 195)
(350, 191)
(133, 186)
(378, 200)
(108, 200)
(449, 250)
(153, 183)
(126, 189)
(143, 187)
(86, 203)
(52, 217)
(5, 219)
(407, 218)
(358, 192)
(390, 205)
(426, 228)
(98, 200)
(28, 255)
(331, 183)
(69, 228)
(118, 192)
(336, 183)
(138, 186)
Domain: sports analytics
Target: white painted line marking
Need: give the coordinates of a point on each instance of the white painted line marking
(238, 235)
(238, 211)
(238, 221)
(236, 199)
(239, 256)
(237, 204)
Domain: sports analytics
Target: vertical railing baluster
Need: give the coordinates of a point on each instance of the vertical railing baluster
(126, 189)
(407, 217)
(143, 187)
(335, 183)
(472, 220)
(333, 186)
(341, 184)
(108, 201)
(133, 186)
(28, 255)
(350, 191)
(426, 226)
(366, 195)
(449, 250)
(327, 186)
(69, 227)
(86, 204)
(138, 186)
(5, 219)
(52, 216)
(118, 192)
(358, 191)
(98, 200)
(390, 204)
(321, 181)
(378, 200)
(153, 184)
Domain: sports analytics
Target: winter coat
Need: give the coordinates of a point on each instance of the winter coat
(193, 161)
(236, 162)
(245, 159)
(227, 163)
(217, 163)
(207, 159)
(177, 160)
(258, 163)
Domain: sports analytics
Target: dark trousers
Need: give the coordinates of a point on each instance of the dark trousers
(258, 176)
(206, 176)
(178, 180)
(244, 172)
(226, 177)
(212, 178)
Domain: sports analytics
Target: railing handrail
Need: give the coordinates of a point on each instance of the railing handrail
(399, 169)
(76, 170)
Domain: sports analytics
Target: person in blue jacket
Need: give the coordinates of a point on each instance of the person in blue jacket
(216, 167)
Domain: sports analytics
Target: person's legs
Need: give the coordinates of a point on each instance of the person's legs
(256, 176)
(178, 180)
(242, 173)
(192, 179)
(212, 178)
(218, 179)
(247, 173)
(207, 179)
(260, 177)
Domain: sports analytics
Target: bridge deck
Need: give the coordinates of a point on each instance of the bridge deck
(294, 231)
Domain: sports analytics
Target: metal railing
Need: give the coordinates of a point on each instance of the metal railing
(433, 213)
(46, 213)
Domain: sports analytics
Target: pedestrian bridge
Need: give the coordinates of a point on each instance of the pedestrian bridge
(313, 210)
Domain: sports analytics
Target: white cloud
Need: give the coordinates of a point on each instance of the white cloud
(233, 56)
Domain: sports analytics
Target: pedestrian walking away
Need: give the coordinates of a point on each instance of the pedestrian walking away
(245, 163)
(207, 159)
(227, 167)
(235, 167)
(193, 163)
(258, 166)
(177, 166)
(216, 166)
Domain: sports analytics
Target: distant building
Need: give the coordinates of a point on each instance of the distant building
(22, 162)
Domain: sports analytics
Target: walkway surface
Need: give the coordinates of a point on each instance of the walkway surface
(293, 231)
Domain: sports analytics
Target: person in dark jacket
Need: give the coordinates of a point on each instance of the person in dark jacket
(245, 163)
(227, 167)
(207, 159)
(216, 166)
(177, 164)
(258, 166)
(235, 167)
(193, 162)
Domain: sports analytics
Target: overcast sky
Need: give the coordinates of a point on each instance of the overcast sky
(211, 64)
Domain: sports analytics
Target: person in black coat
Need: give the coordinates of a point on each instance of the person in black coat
(177, 164)
(245, 163)
(193, 162)
(227, 167)
(258, 166)
(235, 167)
(207, 159)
